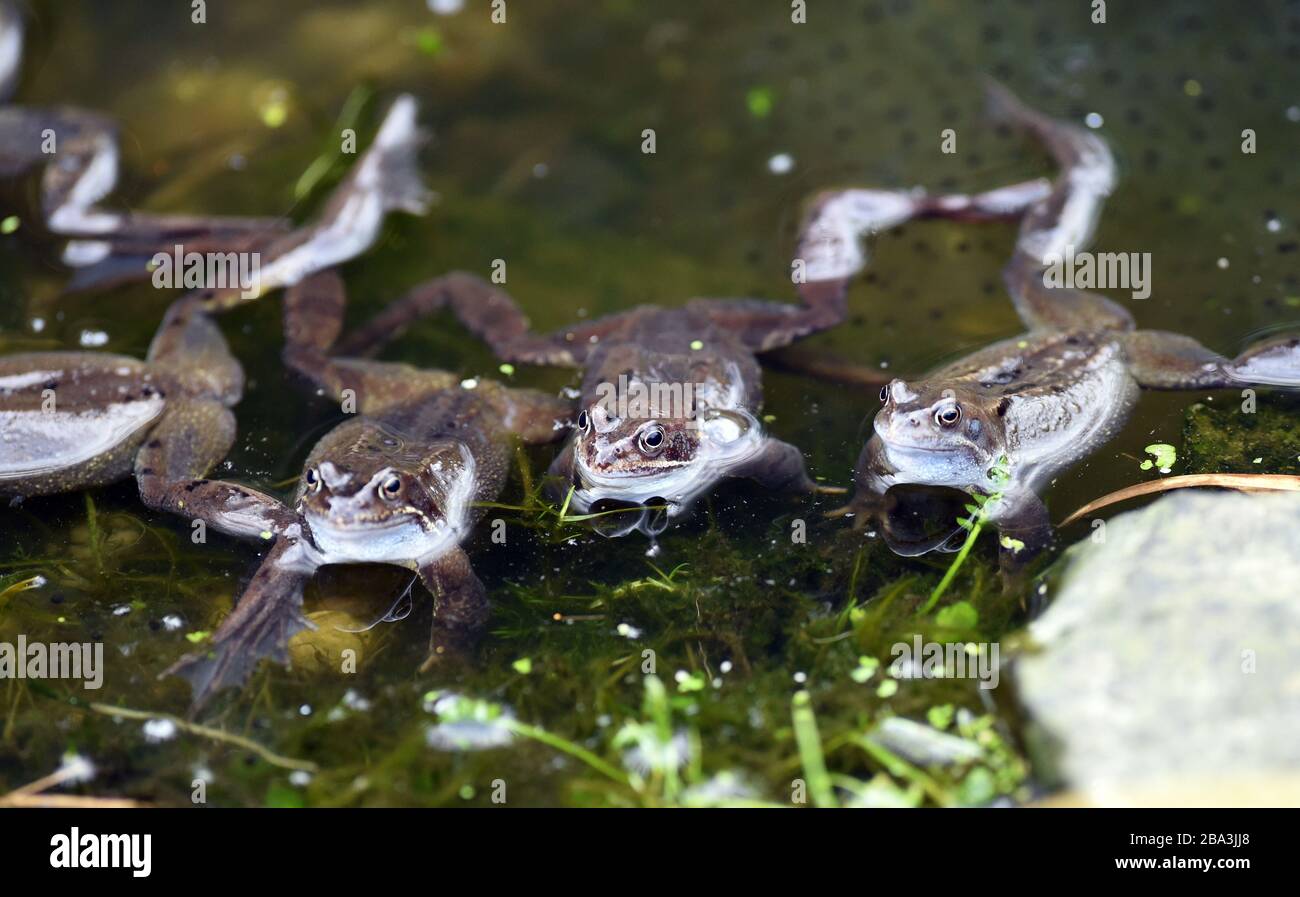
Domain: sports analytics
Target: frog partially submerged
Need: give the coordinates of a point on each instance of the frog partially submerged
(670, 398)
(72, 420)
(1036, 404)
(398, 484)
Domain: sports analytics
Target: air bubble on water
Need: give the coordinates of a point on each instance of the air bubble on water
(93, 338)
(1094, 120)
(781, 163)
(157, 731)
(172, 622)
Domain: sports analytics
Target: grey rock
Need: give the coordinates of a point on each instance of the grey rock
(1167, 668)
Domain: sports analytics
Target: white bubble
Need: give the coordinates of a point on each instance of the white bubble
(93, 338)
(781, 163)
(159, 730)
(445, 7)
(1222, 263)
(1094, 120)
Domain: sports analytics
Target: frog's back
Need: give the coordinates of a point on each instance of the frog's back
(70, 420)
(675, 345)
(1060, 395)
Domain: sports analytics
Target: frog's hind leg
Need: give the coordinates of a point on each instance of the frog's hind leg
(1060, 223)
(830, 251)
(489, 313)
(266, 617)
(460, 605)
(1161, 360)
(384, 179)
(313, 319)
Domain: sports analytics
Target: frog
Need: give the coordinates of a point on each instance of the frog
(1007, 419)
(670, 397)
(77, 420)
(74, 153)
(401, 482)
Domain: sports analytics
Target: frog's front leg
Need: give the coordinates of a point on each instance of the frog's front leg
(779, 467)
(1024, 532)
(190, 439)
(266, 617)
(460, 605)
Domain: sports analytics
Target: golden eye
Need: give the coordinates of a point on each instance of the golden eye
(312, 479)
(391, 487)
(884, 393)
(584, 421)
(948, 417)
(652, 439)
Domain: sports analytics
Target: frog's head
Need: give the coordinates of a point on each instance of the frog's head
(376, 499)
(637, 472)
(934, 433)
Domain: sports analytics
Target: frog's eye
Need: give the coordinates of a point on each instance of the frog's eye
(584, 421)
(652, 439)
(312, 479)
(948, 417)
(391, 487)
(884, 393)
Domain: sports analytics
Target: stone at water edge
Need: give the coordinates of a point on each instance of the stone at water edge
(1143, 691)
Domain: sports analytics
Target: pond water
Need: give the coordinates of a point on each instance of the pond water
(537, 160)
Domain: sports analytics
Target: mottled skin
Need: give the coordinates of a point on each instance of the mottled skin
(1045, 400)
(74, 420)
(646, 467)
(396, 484)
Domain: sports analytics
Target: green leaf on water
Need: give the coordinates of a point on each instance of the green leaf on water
(1166, 456)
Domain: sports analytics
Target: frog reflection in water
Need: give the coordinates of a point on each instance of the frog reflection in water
(397, 484)
(1042, 401)
(638, 464)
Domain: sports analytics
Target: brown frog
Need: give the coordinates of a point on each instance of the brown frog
(1009, 418)
(400, 483)
(670, 398)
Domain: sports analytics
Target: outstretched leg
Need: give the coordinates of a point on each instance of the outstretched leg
(830, 251)
(313, 318)
(385, 179)
(1059, 223)
(1161, 360)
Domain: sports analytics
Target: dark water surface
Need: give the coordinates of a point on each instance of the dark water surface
(538, 161)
